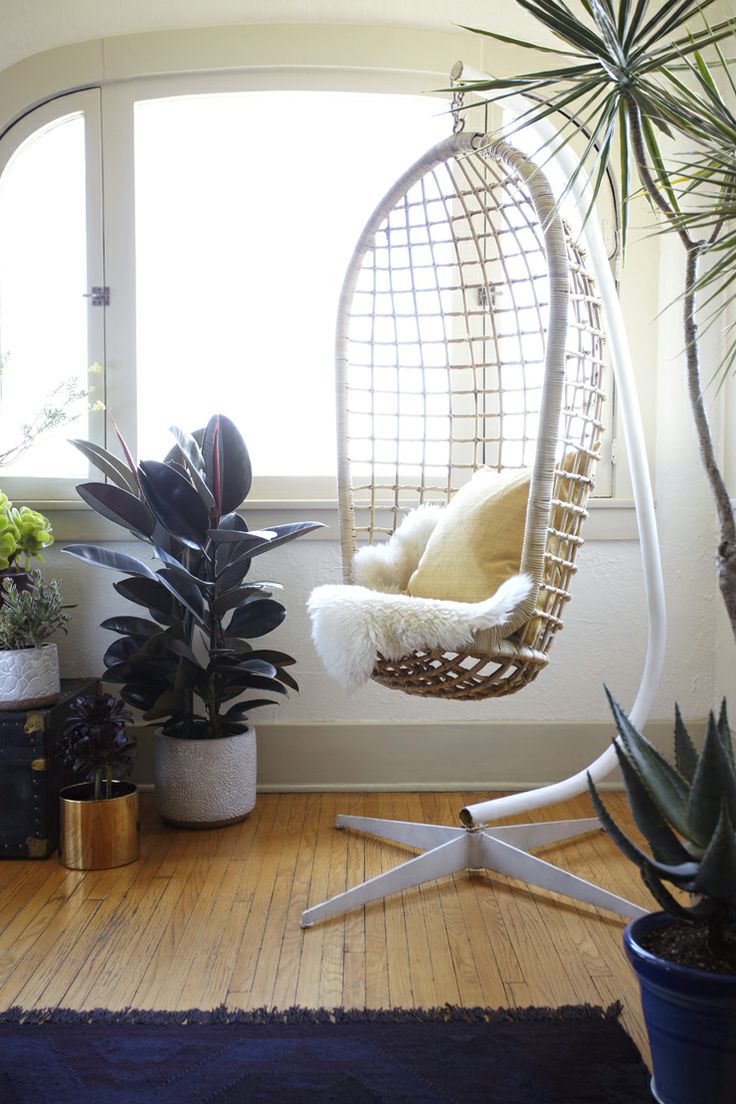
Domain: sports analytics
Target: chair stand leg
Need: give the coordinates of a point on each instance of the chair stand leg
(449, 850)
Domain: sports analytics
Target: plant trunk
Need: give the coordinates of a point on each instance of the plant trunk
(726, 553)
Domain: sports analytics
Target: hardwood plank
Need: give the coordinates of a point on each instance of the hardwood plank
(256, 887)
(333, 942)
(354, 960)
(210, 984)
(470, 887)
(419, 954)
(37, 966)
(217, 849)
(447, 892)
(444, 975)
(269, 956)
(377, 858)
(397, 943)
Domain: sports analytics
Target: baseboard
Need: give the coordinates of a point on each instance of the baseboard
(612, 787)
(413, 756)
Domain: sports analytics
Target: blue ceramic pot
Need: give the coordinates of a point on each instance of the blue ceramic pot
(691, 1020)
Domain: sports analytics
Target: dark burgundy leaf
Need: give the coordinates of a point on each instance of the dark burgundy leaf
(104, 557)
(184, 591)
(256, 618)
(242, 708)
(234, 462)
(151, 594)
(175, 502)
(135, 626)
(119, 506)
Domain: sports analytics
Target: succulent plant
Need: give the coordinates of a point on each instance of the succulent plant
(687, 813)
(192, 657)
(29, 617)
(95, 742)
(23, 533)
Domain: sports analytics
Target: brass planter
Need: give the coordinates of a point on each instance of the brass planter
(97, 835)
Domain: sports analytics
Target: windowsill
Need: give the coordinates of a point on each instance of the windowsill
(610, 519)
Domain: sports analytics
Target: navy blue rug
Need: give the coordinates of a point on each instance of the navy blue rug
(572, 1055)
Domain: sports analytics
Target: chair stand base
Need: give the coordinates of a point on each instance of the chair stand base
(503, 850)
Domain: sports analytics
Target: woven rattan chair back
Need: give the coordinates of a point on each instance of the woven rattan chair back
(469, 335)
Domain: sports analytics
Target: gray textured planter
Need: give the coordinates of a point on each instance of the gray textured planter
(29, 677)
(205, 783)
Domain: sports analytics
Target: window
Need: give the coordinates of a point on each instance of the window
(248, 206)
(44, 339)
(231, 208)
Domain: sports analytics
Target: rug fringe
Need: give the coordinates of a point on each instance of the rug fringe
(448, 1013)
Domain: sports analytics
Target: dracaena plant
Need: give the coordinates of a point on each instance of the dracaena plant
(650, 84)
(687, 813)
(188, 661)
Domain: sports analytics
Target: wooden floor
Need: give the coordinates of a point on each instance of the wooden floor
(210, 917)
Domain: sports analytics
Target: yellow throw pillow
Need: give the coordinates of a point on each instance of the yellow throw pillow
(477, 543)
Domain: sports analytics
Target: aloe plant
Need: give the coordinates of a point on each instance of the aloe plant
(687, 813)
(192, 657)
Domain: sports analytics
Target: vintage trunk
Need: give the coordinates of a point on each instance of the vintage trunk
(30, 777)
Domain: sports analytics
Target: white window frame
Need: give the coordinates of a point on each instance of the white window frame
(49, 491)
(226, 60)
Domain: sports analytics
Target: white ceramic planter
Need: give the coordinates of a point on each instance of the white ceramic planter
(29, 677)
(205, 783)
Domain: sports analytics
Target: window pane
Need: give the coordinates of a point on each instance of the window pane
(248, 207)
(43, 315)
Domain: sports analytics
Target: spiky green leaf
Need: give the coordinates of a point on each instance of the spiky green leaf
(681, 874)
(665, 845)
(716, 878)
(713, 784)
(686, 755)
(724, 732)
(668, 788)
(669, 903)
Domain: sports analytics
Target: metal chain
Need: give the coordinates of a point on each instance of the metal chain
(458, 95)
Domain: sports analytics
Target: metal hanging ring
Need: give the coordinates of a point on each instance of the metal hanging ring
(456, 104)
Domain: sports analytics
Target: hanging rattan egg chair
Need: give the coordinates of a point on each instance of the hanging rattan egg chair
(469, 335)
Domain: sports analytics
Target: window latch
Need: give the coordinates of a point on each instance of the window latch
(100, 296)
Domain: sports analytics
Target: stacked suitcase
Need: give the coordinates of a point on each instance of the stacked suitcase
(31, 776)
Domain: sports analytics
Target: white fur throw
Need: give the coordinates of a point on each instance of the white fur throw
(351, 624)
(387, 567)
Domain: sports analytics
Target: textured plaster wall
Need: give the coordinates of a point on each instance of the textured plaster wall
(604, 640)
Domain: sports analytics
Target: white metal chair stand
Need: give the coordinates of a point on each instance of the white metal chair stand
(477, 843)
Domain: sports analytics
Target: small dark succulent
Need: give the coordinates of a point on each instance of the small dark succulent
(95, 742)
(687, 813)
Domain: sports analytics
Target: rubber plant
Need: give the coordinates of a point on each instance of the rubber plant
(628, 74)
(192, 656)
(687, 812)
